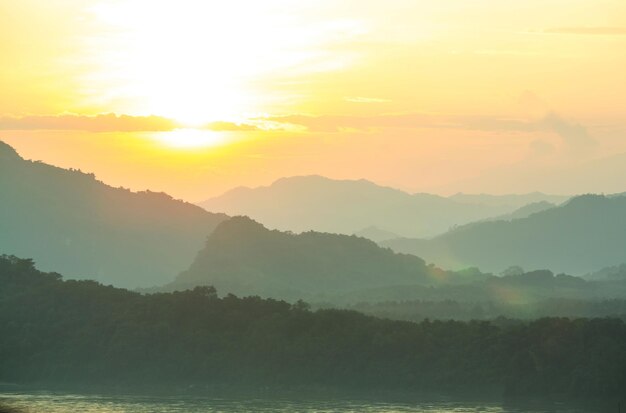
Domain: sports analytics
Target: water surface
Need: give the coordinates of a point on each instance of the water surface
(35, 402)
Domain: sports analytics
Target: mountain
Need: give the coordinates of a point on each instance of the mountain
(316, 203)
(524, 211)
(243, 257)
(586, 233)
(612, 273)
(510, 200)
(72, 223)
(376, 234)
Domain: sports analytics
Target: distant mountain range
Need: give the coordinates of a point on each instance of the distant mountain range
(72, 223)
(316, 203)
(511, 200)
(376, 234)
(586, 233)
(68, 221)
(243, 257)
(522, 212)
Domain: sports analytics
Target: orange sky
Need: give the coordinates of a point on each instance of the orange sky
(473, 96)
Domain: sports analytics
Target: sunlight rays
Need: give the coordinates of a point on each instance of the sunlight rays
(199, 61)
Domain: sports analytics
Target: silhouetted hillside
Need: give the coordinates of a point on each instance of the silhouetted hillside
(79, 333)
(584, 234)
(70, 222)
(341, 206)
(243, 257)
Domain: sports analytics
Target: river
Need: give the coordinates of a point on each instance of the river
(52, 402)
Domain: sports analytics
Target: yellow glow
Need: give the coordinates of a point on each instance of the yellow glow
(191, 138)
(197, 61)
(429, 96)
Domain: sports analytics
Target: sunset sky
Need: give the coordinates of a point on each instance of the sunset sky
(196, 97)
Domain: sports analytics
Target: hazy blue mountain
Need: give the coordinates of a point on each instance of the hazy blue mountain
(316, 203)
(509, 200)
(72, 223)
(612, 273)
(524, 211)
(243, 257)
(584, 234)
(376, 234)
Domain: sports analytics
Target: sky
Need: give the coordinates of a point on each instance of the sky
(196, 97)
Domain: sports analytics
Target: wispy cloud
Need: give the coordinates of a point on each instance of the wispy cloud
(223, 126)
(336, 123)
(602, 31)
(361, 99)
(575, 136)
(332, 123)
(98, 123)
(112, 123)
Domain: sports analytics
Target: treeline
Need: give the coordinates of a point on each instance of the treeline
(419, 310)
(522, 294)
(84, 333)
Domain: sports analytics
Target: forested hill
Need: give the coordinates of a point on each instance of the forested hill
(72, 223)
(80, 333)
(243, 257)
(584, 234)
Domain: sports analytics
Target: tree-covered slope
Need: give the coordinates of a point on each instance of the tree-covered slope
(584, 234)
(72, 223)
(80, 333)
(243, 257)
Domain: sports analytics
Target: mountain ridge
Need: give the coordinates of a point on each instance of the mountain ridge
(244, 257)
(314, 202)
(70, 222)
(580, 236)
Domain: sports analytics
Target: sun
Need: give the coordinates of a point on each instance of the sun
(199, 61)
(177, 61)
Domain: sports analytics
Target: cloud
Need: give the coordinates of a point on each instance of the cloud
(531, 104)
(361, 99)
(113, 123)
(575, 136)
(337, 123)
(98, 123)
(334, 123)
(601, 31)
(223, 126)
(539, 149)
